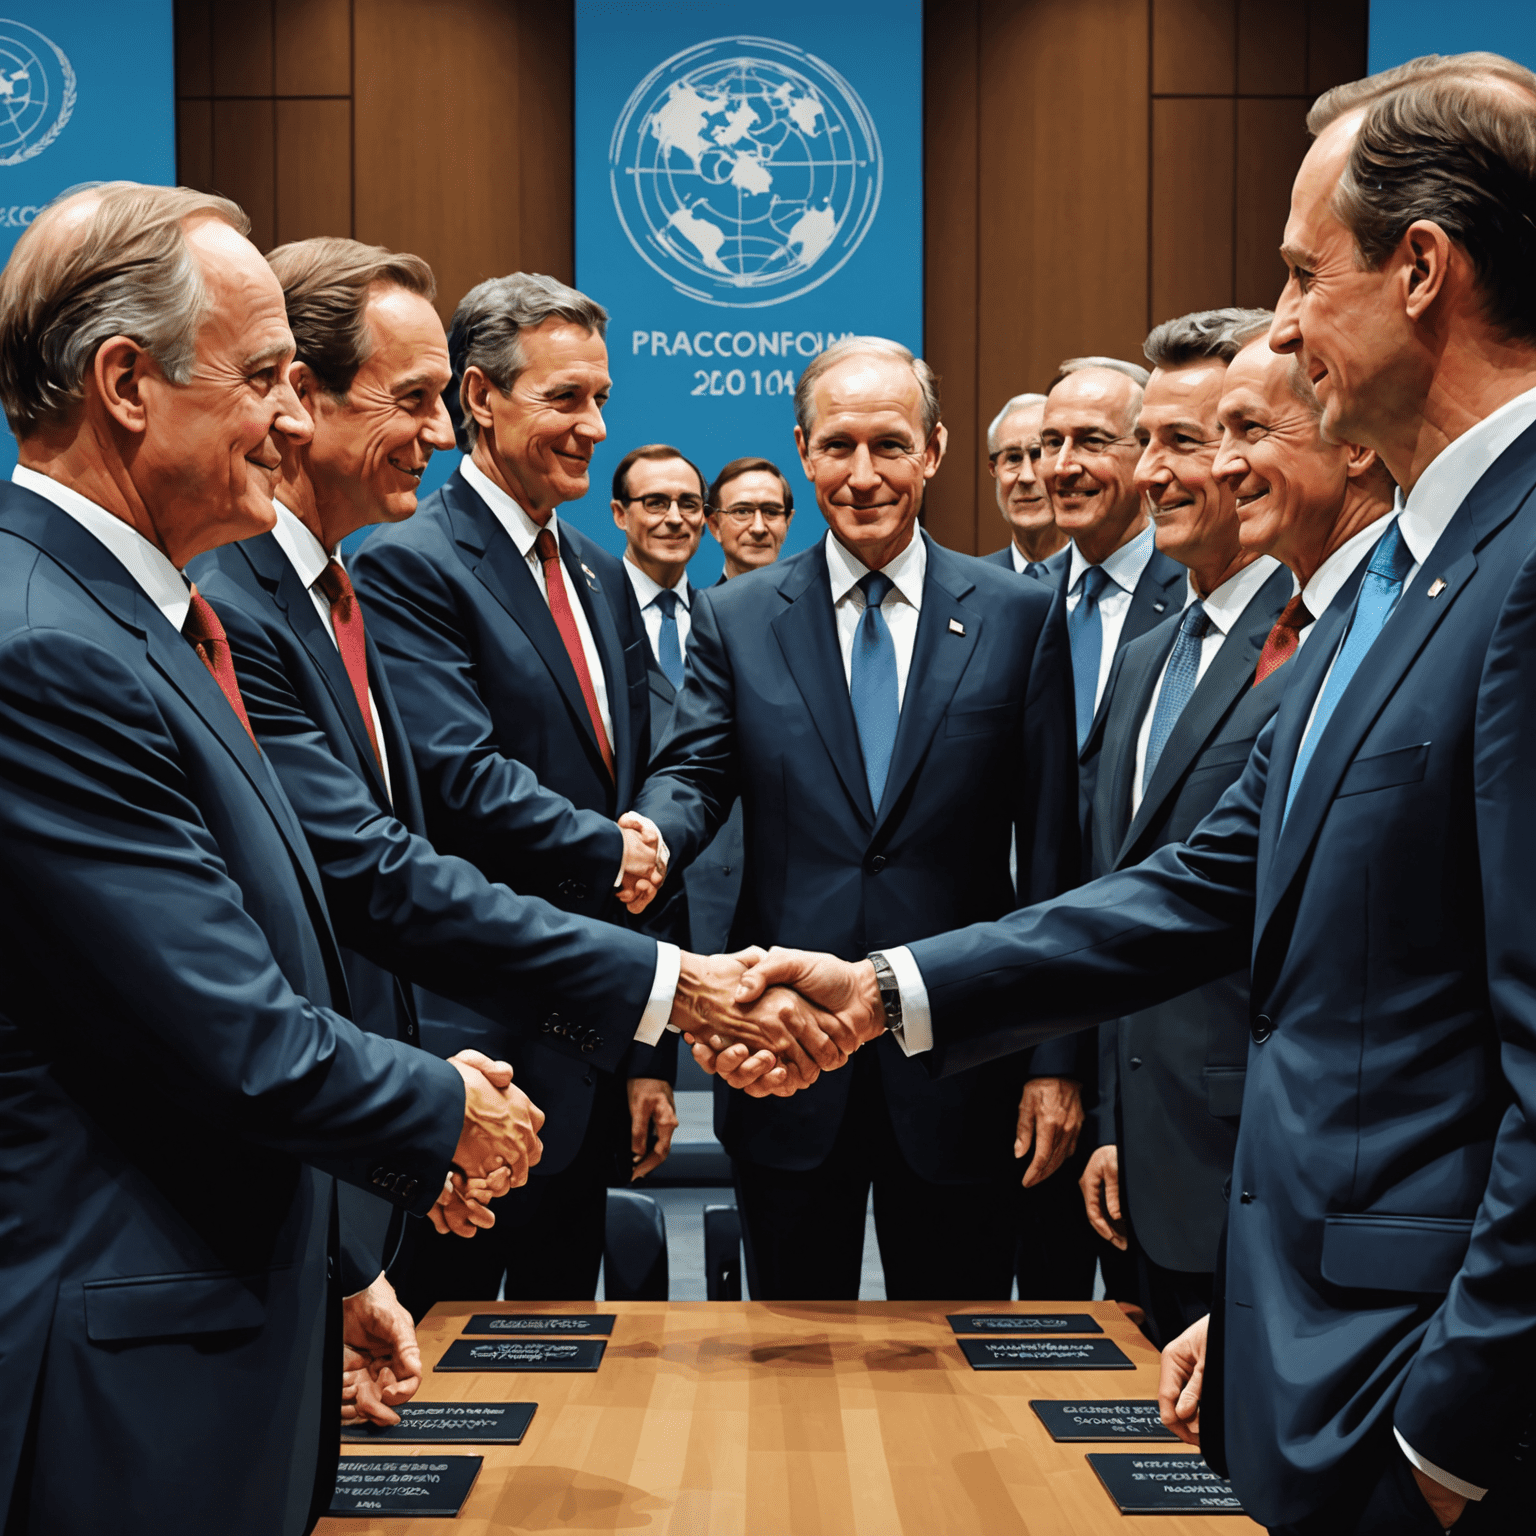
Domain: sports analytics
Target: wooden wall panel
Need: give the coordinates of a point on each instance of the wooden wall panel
(1271, 141)
(1194, 48)
(244, 165)
(194, 143)
(193, 26)
(312, 47)
(546, 142)
(314, 169)
(1335, 42)
(1271, 49)
(1192, 230)
(242, 47)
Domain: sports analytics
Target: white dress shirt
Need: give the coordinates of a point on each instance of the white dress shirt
(159, 580)
(1224, 607)
(306, 554)
(1124, 568)
(901, 609)
(646, 592)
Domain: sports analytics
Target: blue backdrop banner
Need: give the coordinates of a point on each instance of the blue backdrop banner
(1404, 29)
(86, 94)
(748, 189)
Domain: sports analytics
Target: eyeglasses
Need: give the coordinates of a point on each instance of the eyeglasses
(1009, 461)
(658, 505)
(1093, 445)
(744, 511)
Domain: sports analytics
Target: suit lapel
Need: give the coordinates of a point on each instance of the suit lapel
(610, 649)
(405, 800)
(947, 632)
(807, 634)
(1133, 695)
(1153, 598)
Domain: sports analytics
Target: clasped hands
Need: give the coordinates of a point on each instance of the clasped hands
(771, 1021)
(498, 1145)
(646, 857)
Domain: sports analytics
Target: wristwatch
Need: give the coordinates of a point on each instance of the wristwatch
(890, 992)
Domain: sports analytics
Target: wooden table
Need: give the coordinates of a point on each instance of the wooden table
(787, 1419)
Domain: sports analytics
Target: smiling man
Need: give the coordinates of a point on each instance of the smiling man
(1036, 547)
(844, 694)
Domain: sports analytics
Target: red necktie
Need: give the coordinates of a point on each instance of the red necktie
(347, 618)
(208, 639)
(1283, 639)
(565, 621)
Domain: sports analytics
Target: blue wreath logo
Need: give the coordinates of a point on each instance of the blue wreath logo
(745, 171)
(37, 91)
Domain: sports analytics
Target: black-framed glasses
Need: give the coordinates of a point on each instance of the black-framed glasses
(744, 511)
(658, 504)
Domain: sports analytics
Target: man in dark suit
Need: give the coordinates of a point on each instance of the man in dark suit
(182, 1086)
(843, 696)
(1036, 546)
(1365, 1371)
(517, 657)
(1177, 722)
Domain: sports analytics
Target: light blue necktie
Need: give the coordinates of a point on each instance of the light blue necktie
(1038, 569)
(1379, 591)
(669, 649)
(1085, 633)
(1178, 684)
(872, 685)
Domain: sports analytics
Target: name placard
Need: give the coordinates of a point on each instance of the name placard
(1033, 1323)
(1045, 1355)
(551, 1324)
(523, 1355)
(1163, 1485)
(1101, 1421)
(450, 1424)
(418, 1486)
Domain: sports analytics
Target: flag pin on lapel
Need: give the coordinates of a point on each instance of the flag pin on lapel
(591, 574)
(1436, 587)
(956, 627)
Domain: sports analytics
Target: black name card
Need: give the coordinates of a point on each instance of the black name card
(1034, 1323)
(523, 1355)
(403, 1486)
(1101, 1421)
(1045, 1355)
(450, 1424)
(1163, 1485)
(534, 1323)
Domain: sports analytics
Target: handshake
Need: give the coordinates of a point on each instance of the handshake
(770, 1022)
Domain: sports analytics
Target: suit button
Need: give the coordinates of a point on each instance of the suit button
(877, 863)
(546, 1026)
(407, 1189)
(1261, 1029)
(380, 1176)
(1246, 1197)
(591, 1040)
(1135, 1061)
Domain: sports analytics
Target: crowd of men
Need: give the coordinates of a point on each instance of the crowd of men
(354, 908)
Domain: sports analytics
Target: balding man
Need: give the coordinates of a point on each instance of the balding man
(1036, 546)
(182, 1089)
(843, 694)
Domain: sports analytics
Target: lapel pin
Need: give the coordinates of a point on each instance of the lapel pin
(1158, 607)
(1436, 587)
(956, 627)
(591, 574)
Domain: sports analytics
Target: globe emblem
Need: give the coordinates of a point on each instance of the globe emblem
(745, 171)
(37, 91)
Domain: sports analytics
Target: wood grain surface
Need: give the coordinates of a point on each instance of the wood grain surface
(787, 1419)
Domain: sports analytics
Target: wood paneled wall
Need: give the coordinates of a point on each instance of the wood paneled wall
(1092, 166)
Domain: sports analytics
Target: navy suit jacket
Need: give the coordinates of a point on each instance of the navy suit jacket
(1379, 1258)
(508, 765)
(981, 750)
(1171, 1077)
(179, 1093)
(1055, 564)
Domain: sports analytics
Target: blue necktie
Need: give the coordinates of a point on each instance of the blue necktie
(669, 650)
(1037, 569)
(1178, 684)
(1085, 632)
(1379, 591)
(872, 685)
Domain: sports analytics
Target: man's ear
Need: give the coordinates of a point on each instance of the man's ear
(475, 391)
(1425, 254)
(805, 462)
(118, 373)
(1359, 461)
(305, 385)
(620, 517)
(933, 454)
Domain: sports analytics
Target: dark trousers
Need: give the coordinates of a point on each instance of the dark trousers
(1171, 1298)
(547, 1241)
(1057, 1249)
(804, 1232)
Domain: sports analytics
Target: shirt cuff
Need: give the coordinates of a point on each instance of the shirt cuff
(1444, 1478)
(656, 1020)
(916, 1034)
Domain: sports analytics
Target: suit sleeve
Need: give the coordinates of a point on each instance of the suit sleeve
(433, 919)
(1466, 1395)
(695, 783)
(523, 833)
(1133, 938)
(162, 976)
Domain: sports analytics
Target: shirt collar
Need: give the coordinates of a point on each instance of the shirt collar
(646, 589)
(1326, 580)
(306, 554)
(506, 511)
(160, 581)
(1124, 566)
(906, 571)
(1452, 473)
(1224, 607)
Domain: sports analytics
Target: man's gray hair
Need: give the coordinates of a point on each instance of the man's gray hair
(487, 330)
(1114, 364)
(1205, 335)
(124, 270)
(866, 346)
(1016, 404)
